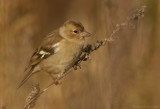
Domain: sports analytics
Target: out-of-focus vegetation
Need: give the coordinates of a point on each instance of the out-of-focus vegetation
(122, 75)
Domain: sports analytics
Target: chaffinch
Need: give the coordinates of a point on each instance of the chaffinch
(58, 50)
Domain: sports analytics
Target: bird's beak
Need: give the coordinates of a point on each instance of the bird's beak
(85, 34)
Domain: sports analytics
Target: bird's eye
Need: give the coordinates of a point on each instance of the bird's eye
(75, 31)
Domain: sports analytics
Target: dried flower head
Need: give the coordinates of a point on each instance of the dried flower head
(32, 97)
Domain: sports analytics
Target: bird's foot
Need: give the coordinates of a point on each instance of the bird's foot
(57, 78)
(57, 82)
(76, 66)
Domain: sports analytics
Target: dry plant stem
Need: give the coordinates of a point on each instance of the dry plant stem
(32, 97)
(35, 93)
(129, 23)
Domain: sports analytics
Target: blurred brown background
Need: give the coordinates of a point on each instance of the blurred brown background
(124, 74)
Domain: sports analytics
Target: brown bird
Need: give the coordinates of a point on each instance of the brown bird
(59, 50)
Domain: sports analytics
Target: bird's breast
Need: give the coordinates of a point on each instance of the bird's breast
(70, 53)
(67, 54)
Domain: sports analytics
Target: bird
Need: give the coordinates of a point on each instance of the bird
(58, 50)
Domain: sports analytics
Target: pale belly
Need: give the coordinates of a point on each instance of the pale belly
(58, 62)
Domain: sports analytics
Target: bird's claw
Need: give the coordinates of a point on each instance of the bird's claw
(86, 57)
(56, 81)
(75, 67)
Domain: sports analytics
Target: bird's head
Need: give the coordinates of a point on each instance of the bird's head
(73, 31)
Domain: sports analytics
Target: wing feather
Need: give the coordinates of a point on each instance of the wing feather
(46, 49)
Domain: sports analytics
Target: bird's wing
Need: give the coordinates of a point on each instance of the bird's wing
(48, 47)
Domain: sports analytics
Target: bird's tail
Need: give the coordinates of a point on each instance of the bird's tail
(26, 77)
